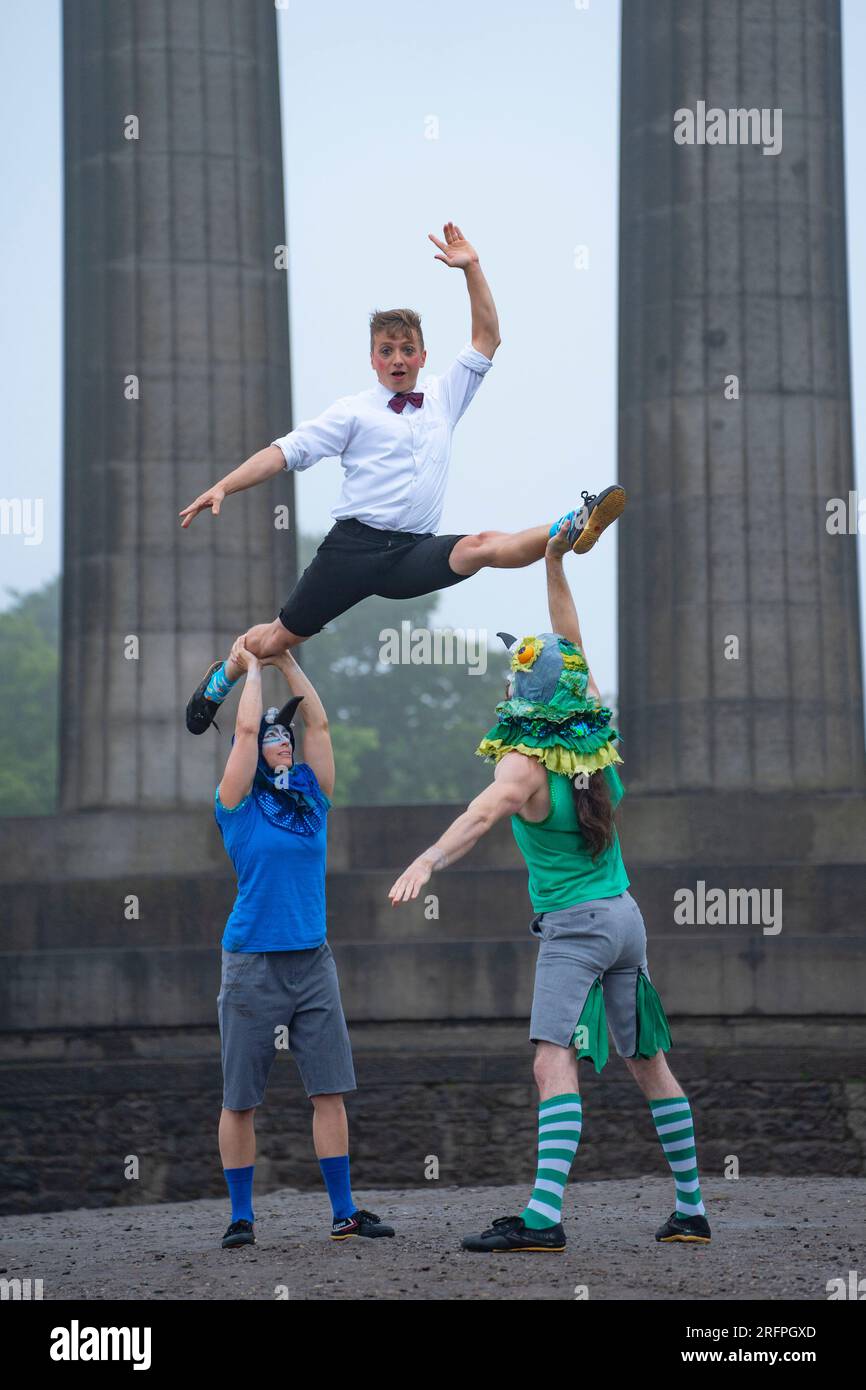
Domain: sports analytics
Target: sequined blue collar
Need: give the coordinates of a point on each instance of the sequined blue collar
(299, 806)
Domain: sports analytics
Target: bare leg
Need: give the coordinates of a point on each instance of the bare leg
(265, 639)
(330, 1126)
(499, 550)
(654, 1077)
(555, 1070)
(237, 1138)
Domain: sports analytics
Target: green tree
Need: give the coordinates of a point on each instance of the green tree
(29, 661)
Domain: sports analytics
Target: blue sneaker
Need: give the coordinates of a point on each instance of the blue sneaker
(577, 520)
(586, 523)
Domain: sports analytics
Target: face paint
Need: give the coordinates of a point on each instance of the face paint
(277, 733)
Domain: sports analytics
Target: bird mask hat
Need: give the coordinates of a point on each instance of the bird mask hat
(547, 714)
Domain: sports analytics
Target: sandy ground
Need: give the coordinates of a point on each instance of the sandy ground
(773, 1238)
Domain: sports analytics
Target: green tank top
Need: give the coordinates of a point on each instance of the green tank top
(561, 870)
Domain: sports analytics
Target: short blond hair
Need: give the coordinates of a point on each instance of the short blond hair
(393, 322)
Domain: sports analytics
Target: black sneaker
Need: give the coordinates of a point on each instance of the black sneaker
(692, 1228)
(511, 1233)
(239, 1233)
(598, 512)
(360, 1223)
(200, 713)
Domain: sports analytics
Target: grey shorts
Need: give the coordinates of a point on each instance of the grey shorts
(268, 998)
(605, 940)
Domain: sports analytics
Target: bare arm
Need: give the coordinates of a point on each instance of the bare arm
(318, 750)
(326, 435)
(516, 779)
(265, 464)
(460, 255)
(560, 602)
(485, 320)
(240, 770)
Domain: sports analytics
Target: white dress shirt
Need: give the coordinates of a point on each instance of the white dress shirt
(395, 467)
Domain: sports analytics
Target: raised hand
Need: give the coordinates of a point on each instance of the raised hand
(284, 661)
(559, 544)
(458, 253)
(239, 656)
(211, 500)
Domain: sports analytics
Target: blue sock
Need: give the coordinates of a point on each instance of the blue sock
(240, 1181)
(335, 1171)
(219, 685)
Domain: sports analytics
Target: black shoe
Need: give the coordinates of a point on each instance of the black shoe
(511, 1233)
(677, 1227)
(200, 713)
(598, 512)
(239, 1233)
(360, 1223)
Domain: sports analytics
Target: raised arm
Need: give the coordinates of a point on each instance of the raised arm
(318, 750)
(516, 778)
(240, 770)
(563, 614)
(460, 255)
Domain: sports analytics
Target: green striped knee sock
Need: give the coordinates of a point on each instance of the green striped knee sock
(675, 1129)
(559, 1121)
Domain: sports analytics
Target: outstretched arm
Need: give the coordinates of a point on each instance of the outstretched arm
(326, 435)
(237, 780)
(265, 464)
(516, 778)
(318, 750)
(563, 614)
(460, 255)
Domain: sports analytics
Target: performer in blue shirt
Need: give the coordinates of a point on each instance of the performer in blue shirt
(278, 972)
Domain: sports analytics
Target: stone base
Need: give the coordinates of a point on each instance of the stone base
(111, 1048)
(782, 1097)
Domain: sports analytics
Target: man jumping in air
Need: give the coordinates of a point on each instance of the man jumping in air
(394, 444)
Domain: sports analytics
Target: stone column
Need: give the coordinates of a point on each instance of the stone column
(733, 265)
(176, 368)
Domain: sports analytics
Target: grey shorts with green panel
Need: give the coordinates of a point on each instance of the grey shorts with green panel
(592, 973)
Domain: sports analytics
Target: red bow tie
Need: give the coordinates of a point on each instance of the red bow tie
(415, 398)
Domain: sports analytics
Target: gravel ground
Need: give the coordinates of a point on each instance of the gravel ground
(773, 1238)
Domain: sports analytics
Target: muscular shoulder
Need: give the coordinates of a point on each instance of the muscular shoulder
(522, 772)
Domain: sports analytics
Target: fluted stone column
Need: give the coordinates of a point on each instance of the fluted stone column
(733, 264)
(171, 293)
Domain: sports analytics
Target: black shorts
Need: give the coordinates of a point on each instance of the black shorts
(355, 561)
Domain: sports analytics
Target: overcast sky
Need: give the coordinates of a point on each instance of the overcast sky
(526, 100)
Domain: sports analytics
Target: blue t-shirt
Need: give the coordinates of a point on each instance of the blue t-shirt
(280, 904)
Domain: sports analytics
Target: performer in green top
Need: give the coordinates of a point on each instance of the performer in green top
(556, 776)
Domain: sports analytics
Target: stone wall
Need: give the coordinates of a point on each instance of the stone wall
(109, 1047)
(784, 1098)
